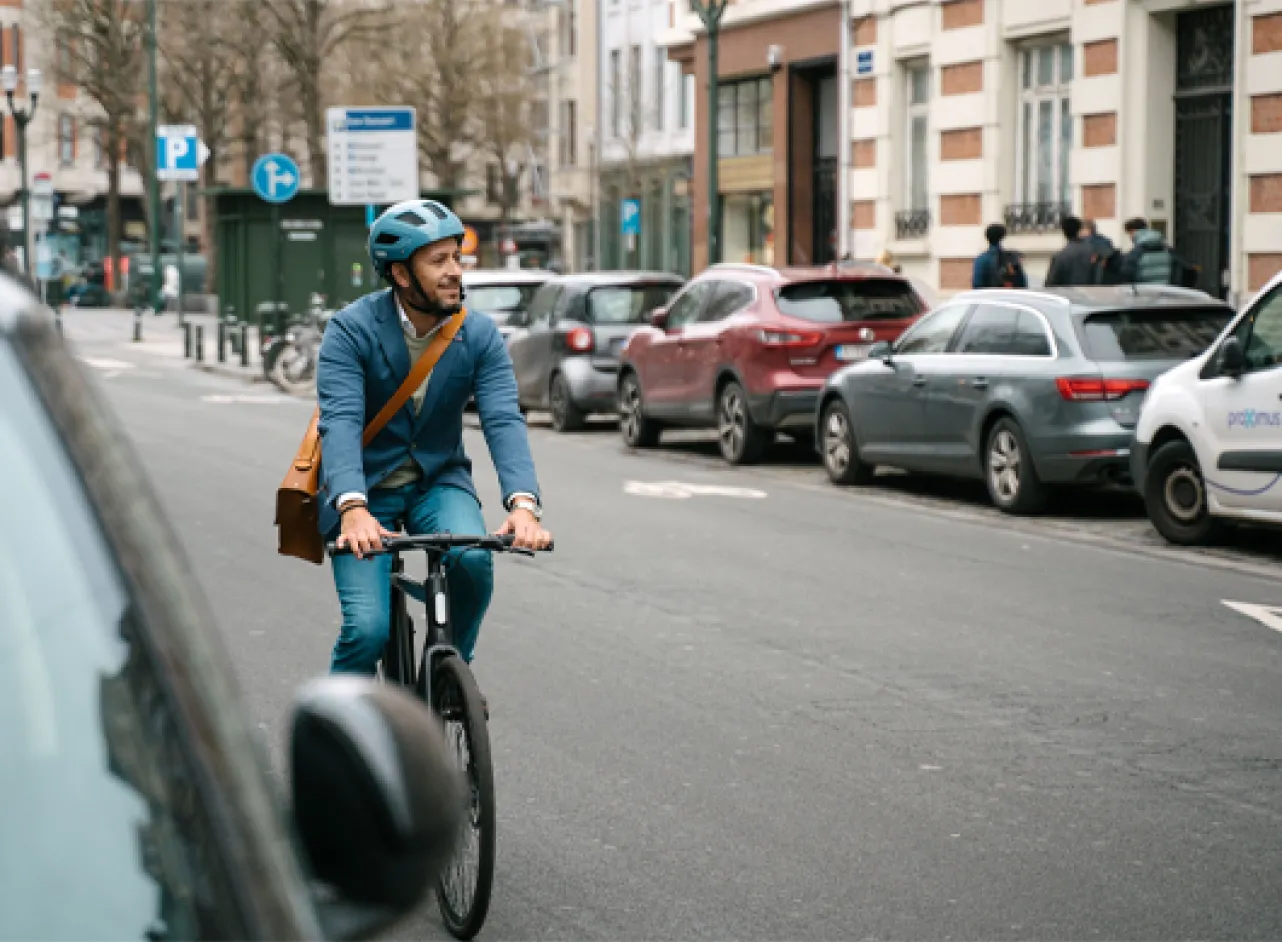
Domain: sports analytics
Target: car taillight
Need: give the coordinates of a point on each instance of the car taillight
(580, 340)
(1097, 388)
(788, 338)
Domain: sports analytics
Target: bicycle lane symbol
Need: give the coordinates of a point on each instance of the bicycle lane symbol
(677, 490)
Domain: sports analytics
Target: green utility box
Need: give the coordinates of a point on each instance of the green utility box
(288, 252)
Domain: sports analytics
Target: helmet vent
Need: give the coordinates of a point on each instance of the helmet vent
(436, 208)
(414, 219)
(387, 238)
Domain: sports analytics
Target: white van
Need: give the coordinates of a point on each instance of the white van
(1208, 443)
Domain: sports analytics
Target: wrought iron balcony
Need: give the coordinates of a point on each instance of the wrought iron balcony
(912, 223)
(1035, 217)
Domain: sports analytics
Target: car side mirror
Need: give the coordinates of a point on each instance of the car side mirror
(1232, 358)
(377, 799)
(882, 350)
(659, 318)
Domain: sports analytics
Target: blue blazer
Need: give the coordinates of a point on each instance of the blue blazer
(364, 360)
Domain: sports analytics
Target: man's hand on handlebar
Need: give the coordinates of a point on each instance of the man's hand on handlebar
(527, 533)
(362, 532)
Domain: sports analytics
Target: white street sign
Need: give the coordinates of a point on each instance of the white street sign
(373, 156)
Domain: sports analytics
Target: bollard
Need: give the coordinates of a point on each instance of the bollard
(200, 343)
(138, 324)
(57, 319)
(187, 341)
(222, 342)
(244, 345)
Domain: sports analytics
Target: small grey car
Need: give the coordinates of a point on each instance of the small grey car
(1022, 389)
(565, 351)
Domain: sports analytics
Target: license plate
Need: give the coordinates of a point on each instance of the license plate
(853, 351)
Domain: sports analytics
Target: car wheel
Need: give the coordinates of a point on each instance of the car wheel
(742, 440)
(1009, 472)
(1175, 496)
(638, 430)
(566, 416)
(840, 451)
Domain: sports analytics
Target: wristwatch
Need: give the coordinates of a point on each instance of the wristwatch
(527, 503)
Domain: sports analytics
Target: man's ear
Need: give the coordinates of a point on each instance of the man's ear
(399, 274)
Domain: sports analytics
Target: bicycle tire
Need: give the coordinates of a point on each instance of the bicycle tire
(457, 702)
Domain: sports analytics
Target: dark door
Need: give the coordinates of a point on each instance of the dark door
(1203, 140)
(824, 187)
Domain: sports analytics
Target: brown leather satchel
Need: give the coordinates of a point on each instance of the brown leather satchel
(297, 509)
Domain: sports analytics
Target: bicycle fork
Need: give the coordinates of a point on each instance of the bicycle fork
(437, 640)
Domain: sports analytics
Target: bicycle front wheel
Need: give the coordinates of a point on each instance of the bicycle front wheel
(463, 890)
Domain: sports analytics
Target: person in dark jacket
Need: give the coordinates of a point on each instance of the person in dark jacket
(997, 267)
(1071, 264)
(1106, 260)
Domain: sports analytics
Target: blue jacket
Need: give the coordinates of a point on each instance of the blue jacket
(985, 273)
(364, 360)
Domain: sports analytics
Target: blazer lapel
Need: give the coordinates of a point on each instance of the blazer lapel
(445, 366)
(392, 338)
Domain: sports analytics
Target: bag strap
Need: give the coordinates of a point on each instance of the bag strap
(418, 373)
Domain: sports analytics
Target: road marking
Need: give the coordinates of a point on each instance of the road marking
(676, 490)
(1267, 615)
(223, 399)
(105, 363)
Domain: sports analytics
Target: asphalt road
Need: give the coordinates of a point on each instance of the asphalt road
(798, 712)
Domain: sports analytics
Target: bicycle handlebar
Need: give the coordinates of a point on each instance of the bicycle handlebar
(441, 542)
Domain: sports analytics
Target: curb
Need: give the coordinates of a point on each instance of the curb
(231, 372)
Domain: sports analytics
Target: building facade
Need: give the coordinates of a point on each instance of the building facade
(779, 130)
(968, 112)
(645, 139)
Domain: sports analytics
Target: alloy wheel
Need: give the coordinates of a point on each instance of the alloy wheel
(731, 422)
(1004, 465)
(836, 443)
(630, 409)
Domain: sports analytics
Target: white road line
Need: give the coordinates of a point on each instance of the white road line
(104, 363)
(1267, 615)
(676, 490)
(224, 399)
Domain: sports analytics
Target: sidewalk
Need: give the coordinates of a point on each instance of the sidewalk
(163, 337)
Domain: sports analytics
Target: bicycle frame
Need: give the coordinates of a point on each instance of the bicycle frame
(434, 593)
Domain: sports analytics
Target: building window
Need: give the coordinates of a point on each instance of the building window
(747, 226)
(570, 28)
(634, 93)
(687, 101)
(660, 80)
(916, 188)
(1045, 125)
(616, 90)
(569, 133)
(745, 117)
(16, 32)
(66, 140)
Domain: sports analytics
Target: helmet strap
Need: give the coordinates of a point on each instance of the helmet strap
(419, 300)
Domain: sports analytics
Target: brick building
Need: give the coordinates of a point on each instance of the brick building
(966, 112)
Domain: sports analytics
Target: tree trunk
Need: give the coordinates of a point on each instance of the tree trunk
(114, 141)
(315, 131)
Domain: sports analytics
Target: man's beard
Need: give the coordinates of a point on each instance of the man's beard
(416, 298)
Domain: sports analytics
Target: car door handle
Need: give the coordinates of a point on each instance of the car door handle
(979, 382)
(919, 381)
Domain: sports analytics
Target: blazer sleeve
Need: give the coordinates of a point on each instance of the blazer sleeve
(340, 392)
(501, 420)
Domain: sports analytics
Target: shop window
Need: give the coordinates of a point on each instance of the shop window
(747, 227)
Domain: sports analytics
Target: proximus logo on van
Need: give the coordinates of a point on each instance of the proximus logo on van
(1255, 418)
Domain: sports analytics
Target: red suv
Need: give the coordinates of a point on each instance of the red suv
(746, 349)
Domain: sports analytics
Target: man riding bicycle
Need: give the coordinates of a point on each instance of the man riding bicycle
(414, 472)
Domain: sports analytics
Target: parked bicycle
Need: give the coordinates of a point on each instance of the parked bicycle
(289, 360)
(442, 679)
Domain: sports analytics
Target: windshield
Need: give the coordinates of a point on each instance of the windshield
(105, 831)
(837, 301)
(500, 301)
(627, 304)
(1170, 334)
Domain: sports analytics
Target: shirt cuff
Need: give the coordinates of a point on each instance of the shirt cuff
(342, 498)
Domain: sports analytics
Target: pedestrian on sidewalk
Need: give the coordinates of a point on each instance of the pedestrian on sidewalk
(998, 267)
(1071, 264)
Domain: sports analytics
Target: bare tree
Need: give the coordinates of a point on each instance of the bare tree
(202, 44)
(308, 34)
(506, 119)
(102, 47)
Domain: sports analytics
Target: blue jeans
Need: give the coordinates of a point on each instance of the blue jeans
(364, 585)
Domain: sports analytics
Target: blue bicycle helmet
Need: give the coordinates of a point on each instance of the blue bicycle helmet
(407, 227)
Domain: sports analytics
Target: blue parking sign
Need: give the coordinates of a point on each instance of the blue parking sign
(630, 217)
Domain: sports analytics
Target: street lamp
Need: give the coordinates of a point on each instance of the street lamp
(710, 13)
(21, 118)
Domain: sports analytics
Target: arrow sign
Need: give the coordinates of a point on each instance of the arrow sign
(275, 178)
(204, 153)
(1266, 615)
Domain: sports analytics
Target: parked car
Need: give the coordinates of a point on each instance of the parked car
(746, 349)
(503, 294)
(1208, 445)
(136, 804)
(566, 353)
(1022, 389)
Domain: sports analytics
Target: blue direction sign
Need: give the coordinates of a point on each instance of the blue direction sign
(275, 178)
(630, 217)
